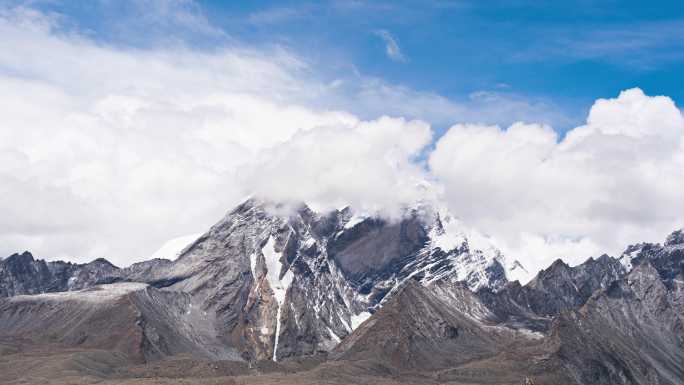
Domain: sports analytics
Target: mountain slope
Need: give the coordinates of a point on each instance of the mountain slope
(139, 321)
(416, 329)
(630, 333)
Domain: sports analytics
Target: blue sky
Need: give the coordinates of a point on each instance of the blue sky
(127, 123)
(559, 55)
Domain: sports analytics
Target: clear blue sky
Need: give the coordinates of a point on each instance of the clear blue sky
(561, 54)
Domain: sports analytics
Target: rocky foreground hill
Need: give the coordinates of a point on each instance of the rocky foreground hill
(282, 294)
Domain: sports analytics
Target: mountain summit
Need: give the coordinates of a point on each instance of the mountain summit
(282, 280)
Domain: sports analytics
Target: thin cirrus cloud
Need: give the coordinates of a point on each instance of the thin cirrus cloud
(641, 45)
(278, 15)
(133, 147)
(391, 46)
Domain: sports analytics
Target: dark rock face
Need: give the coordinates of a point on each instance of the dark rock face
(555, 289)
(562, 287)
(22, 274)
(375, 249)
(668, 259)
(676, 238)
(91, 273)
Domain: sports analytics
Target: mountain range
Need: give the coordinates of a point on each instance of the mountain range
(278, 293)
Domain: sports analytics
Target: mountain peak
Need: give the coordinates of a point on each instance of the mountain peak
(676, 238)
(24, 257)
(101, 262)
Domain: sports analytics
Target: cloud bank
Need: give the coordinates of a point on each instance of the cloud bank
(111, 151)
(615, 180)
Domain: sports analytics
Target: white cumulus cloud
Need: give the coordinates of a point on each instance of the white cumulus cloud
(111, 151)
(613, 181)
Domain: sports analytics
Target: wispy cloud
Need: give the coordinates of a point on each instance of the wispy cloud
(640, 45)
(391, 46)
(277, 15)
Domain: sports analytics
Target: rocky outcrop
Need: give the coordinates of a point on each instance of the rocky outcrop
(630, 333)
(667, 259)
(23, 274)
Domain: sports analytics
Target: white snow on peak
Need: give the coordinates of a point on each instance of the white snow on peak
(627, 257)
(355, 220)
(449, 236)
(454, 233)
(172, 248)
(626, 261)
(448, 233)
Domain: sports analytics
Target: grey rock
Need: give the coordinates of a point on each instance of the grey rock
(630, 333)
(554, 290)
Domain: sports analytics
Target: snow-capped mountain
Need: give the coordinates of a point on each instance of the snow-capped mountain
(282, 280)
(287, 281)
(356, 294)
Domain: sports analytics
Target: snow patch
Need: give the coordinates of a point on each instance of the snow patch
(626, 259)
(333, 335)
(358, 319)
(172, 248)
(274, 267)
(354, 220)
(99, 293)
(252, 264)
(273, 270)
(530, 334)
